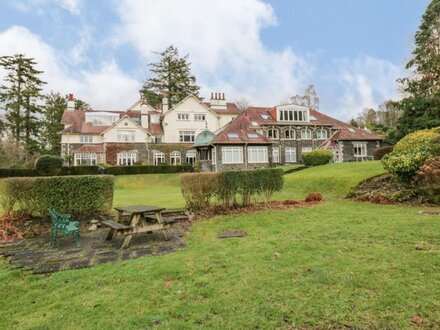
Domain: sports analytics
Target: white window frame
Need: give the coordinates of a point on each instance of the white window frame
(305, 136)
(214, 156)
(187, 136)
(175, 158)
(321, 134)
(306, 149)
(86, 138)
(275, 154)
(126, 135)
(360, 146)
(126, 158)
(183, 116)
(158, 157)
(290, 131)
(191, 154)
(290, 155)
(273, 133)
(85, 158)
(199, 117)
(232, 155)
(293, 115)
(258, 155)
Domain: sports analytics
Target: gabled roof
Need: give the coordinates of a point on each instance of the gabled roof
(121, 119)
(239, 132)
(186, 98)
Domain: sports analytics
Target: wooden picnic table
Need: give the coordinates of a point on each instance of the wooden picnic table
(138, 222)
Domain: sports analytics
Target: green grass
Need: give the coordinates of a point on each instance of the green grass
(339, 264)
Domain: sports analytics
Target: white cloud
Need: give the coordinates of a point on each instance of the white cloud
(224, 42)
(365, 82)
(107, 87)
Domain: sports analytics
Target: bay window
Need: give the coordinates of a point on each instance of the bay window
(158, 157)
(126, 158)
(85, 158)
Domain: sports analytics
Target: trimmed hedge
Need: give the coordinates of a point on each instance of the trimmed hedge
(379, 153)
(79, 195)
(148, 169)
(17, 172)
(317, 157)
(49, 165)
(228, 187)
(92, 170)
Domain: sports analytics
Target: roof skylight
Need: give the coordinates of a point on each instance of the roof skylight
(252, 135)
(265, 116)
(351, 129)
(254, 123)
(232, 135)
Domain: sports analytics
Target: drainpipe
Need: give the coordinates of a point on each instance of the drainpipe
(245, 156)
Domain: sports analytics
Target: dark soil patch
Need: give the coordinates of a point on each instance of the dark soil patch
(385, 189)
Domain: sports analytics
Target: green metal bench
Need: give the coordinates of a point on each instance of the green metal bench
(61, 224)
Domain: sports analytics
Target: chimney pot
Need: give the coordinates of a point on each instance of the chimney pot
(70, 97)
(223, 96)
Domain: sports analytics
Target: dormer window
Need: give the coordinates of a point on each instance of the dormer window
(272, 134)
(101, 118)
(293, 115)
(265, 116)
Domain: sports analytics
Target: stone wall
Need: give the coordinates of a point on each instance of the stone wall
(167, 149)
(348, 150)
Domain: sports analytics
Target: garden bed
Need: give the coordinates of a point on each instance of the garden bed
(386, 189)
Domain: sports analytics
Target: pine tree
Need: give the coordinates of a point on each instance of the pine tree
(52, 114)
(18, 97)
(421, 106)
(172, 74)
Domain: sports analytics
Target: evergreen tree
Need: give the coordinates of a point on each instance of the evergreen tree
(421, 106)
(52, 114)
(172, 74)
(18, 97)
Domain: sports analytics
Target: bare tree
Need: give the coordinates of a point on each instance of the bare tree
(310, 98)
(242, 104)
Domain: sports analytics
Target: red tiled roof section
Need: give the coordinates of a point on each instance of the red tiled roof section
(239, 132)
(155, 129)
(78, 125)
(231, 109)
(90, 148)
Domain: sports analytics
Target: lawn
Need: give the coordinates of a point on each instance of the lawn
(339, 264)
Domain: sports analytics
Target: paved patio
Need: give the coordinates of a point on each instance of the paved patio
(37, 255)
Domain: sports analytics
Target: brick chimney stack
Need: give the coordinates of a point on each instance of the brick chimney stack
(218, 101)
(70, 102)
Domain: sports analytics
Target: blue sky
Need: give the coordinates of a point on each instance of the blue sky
(264, 51)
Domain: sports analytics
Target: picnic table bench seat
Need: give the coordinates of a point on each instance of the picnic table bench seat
(115, 225)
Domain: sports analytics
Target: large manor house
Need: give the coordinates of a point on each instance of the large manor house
(217, 134)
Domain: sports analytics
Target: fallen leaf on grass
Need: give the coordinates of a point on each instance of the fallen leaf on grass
(417, 320)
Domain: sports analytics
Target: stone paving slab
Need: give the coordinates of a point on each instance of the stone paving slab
(36, 254)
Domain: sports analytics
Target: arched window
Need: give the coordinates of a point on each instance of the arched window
(321, 134)
(306, 134)
(175, 158)
(191, 156)
(158, 157)
(289, 134)
(272, 133)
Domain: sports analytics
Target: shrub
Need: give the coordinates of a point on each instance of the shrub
(314, 197)
(317, 157)
(411, 152)
(199, 188)
(49, 165)
(79, 170)
(69, 194)
(379, 153)
(148, 169)
(429, 173)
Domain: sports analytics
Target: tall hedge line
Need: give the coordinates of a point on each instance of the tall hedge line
(148, 169)
(230, 187)
(70, 194)
(92, 170)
